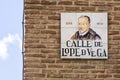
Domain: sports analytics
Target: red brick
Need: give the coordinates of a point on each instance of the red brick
(105, 0)
(55, 66)
(37, 70)
(55, 36)
(81, 3)
(34, 65)
(32, 21)
(104, 76)
(87, 67)
(35, 7)
(53, 56)
(48, 71)
(55, 22)
(117, 8)
(36, 26)
(54, 75)
(114, 13)
(117, 76)
(116, 0)
(55, 8)
(63, 61)
(97, 71)
(35, 17)
(39, 78)
(96, 62)
(48, 12)
(104, 8)
(47, 61)
(34, 75)
(72, 8)
(31, 59)
(47, 2)
(80, 61)
(113, 71)
(32, 31)
(88, 76)
(100, 3)
(113, 22)
(53, 17)
(35, 55)
(30, 37)
(116, 57)
(117, 18)
(27, 12)
(35, 45)
(68, 76)
(65, 71)
(29, 26)
(53, 27)
(88, 8)
(116, 27)
(116, 37)
(113, 51)
(80, 71)
(48, 32)
(49, 51)
(28, 78)
(110, 18)
(32, 1)
(113, 42)
(111, 61)
(114, 3)
(118, 62)
(116, 67)
(113, 32)
(31, 40)
(65, 3)
(53, 46)
(71, 66)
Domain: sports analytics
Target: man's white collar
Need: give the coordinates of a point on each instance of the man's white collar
(83, 33)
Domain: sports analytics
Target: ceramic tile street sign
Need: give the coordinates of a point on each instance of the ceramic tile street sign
(84, 36)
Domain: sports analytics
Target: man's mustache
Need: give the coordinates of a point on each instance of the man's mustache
(80, 28)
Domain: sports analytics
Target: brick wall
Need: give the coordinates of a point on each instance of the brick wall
(42, 41)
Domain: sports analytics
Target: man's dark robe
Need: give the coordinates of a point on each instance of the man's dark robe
(90, 35)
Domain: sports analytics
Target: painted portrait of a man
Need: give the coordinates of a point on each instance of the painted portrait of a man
(84, 30)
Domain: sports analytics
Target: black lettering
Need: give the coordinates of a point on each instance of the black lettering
(88, 50)
(98, 44)
(63, 52)
(93, 53)
(105, 53)
(67, 43)
(83, 52)
(88, 44)
(99, 54)
(74, 44)
(83, 44)
(67, 50)
(72, 51)
(76, 50)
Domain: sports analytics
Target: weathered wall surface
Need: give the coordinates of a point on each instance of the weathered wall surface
(42, 41)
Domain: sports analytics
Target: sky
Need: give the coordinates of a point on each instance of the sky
(11, 12)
